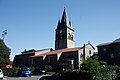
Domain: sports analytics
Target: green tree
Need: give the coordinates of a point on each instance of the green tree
(107, 73)
(99, 69)
(4, 53)
(91, 65)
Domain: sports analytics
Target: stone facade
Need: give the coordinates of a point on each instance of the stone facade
(22, 60)
(110, 52)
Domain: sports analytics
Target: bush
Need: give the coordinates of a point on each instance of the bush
(48, 68)
(11, 71)
(77, 75)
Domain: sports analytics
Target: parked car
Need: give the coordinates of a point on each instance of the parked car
(26, 72)
(1, 74)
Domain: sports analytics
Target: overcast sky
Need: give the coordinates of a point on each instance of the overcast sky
(31, 24)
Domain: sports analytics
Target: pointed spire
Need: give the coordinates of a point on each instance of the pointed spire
(65, 18)
(58, 23)
(64, 22)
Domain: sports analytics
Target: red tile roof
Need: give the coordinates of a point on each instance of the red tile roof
(58, 51)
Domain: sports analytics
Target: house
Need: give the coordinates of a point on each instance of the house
(64, 53)
(110, 52)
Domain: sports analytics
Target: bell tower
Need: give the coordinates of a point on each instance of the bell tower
(64, 34)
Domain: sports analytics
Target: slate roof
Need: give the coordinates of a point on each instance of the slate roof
(117, 40)
(109, 43)
(104, 44)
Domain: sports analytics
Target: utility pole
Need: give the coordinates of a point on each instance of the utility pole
(4, 33)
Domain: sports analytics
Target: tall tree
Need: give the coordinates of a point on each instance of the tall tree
(4, 53)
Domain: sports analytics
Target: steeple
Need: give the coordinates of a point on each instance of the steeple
(65, 19)
(64, 22)
(64, 37)
(64, 16)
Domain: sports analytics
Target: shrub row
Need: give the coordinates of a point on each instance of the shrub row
(11, 71)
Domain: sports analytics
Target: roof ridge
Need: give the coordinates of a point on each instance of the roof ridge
(57, 51)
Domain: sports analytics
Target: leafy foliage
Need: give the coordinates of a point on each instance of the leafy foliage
(48, 67)
(4, 53)
(11, 71)
(107, 73)
(91, 65)
(100, 70)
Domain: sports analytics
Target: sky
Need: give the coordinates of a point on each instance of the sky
(31, 24)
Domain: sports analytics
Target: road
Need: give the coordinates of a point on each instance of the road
(24, 78)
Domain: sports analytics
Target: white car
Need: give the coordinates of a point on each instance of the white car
(1, 74)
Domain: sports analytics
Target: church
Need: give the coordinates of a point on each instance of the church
(64, 54)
